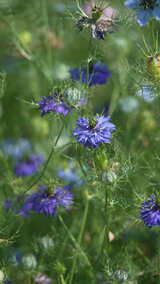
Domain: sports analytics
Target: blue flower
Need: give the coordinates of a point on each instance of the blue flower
(45, 201)
(7, 281)
(145, 9)
(14, 149)
(70, 176)
(62, 103)
(27, 166)
(150, 212)
(98, 74)
(95, 131)
(50, 103)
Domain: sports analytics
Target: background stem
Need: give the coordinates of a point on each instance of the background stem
(79, 237)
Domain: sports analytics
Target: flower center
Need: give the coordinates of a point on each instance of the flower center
(96, 13)
(148, 4)
(49, 192)
(92, 123)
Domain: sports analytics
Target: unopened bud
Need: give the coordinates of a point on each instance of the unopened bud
(154, 67)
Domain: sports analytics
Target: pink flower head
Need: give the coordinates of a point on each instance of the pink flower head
(98, 18)
(105, 14)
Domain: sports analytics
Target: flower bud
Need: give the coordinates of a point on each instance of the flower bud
(154, 67)
(101, 161)
(1, 275)
(60, 268)
(148, 121)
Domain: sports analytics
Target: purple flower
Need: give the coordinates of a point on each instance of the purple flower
(95, 131)
(46, 201)
(150, 212)
(27, 166)
(7, 281)
(42, 279)
(7, 204)
(62, 103)
(98, 19)
(98, 74)
(52, 103)
(145, 9)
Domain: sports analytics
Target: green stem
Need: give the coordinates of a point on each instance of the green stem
(87, 69)
(74, 242)
(108, 214)
(146, 259)
(62, 279)
(105, 241)
(79, 237)
(49, 158)
(158, 268)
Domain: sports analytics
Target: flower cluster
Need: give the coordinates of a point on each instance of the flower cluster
(28, 165)
(145, 10)
(95, 131)
(47, 200)
(59, 103)
(150, 212)
(98, 18)
(50, 103)
(98, 74)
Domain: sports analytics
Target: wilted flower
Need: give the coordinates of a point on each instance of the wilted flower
(46, 201)
(28, 166)
(98, 18)
(150, 212)
(42, 279)
(94, 131)
(145, 10)
(15, 149)
(98, 74)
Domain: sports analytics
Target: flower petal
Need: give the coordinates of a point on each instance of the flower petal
(131, 3)
(156, 13)
(143, 16)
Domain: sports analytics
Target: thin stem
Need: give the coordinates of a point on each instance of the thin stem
(88, 63)
(146, 259)
(75, 242)
(108, 213)
(79, 237)
(62, 279)
(158, 268)
(49, 158)
(105, 241)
